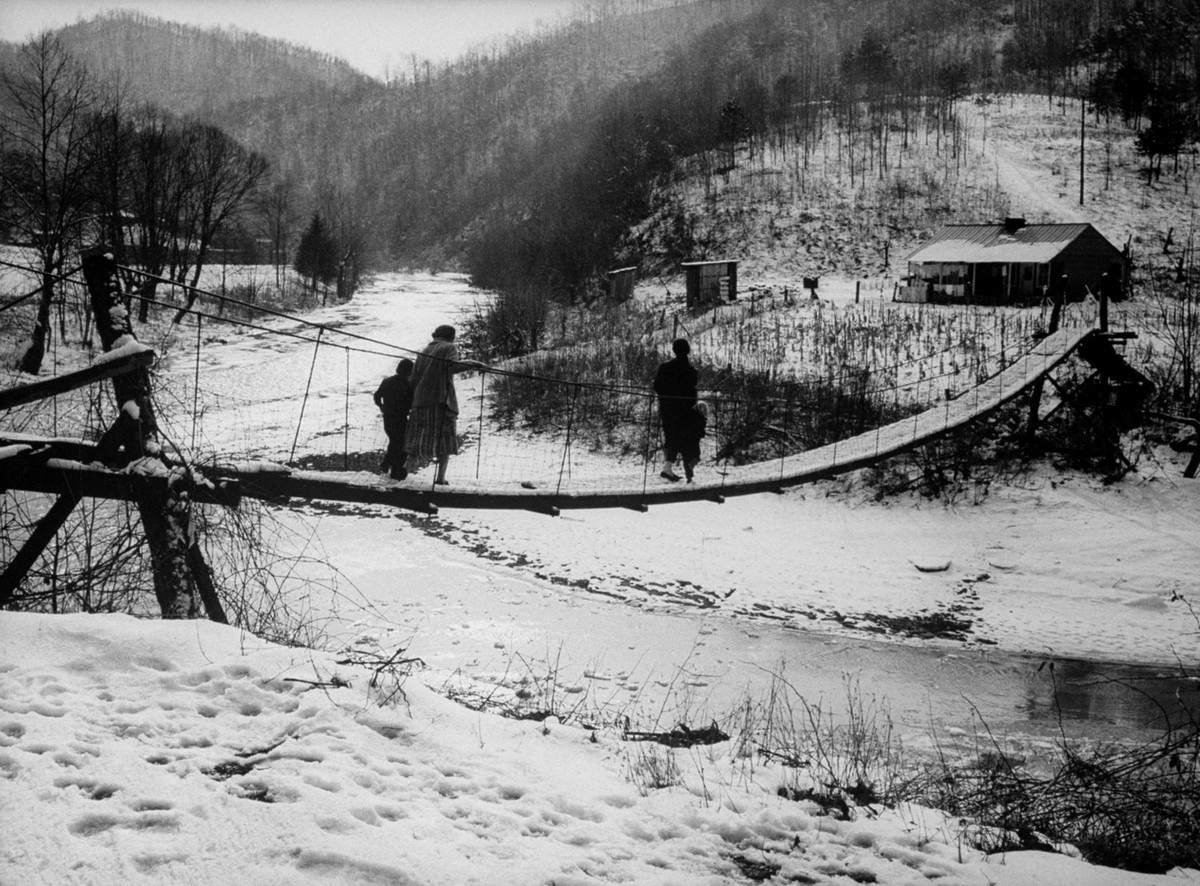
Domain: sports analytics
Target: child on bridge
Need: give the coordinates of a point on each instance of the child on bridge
(394, 397)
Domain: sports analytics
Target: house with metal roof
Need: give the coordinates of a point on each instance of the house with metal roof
(1012, 263)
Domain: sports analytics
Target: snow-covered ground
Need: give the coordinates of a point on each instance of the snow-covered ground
(166, 752)
(186, 752)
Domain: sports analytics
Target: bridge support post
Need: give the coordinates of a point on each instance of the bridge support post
(163, 509)
(42, 535)
(1035, 405)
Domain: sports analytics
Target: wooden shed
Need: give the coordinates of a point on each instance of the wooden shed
(1011, 263)
(710, 282)
(620, 283)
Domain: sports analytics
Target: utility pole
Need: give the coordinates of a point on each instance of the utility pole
(1082, 121)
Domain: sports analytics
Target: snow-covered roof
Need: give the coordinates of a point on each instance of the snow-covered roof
(978, 244)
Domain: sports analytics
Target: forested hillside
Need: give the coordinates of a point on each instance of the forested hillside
(558, 156)
(188, 70)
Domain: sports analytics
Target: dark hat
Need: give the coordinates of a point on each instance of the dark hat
(681, 347)
(444, 331)
(404, 366)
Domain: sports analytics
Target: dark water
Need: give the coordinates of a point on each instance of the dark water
(1106, 693)
(1007, 693)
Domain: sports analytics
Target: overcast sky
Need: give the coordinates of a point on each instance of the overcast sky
(373, 35)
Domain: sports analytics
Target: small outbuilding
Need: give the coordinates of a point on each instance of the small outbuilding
(620, 284)
(710, 282)
(1011, 263)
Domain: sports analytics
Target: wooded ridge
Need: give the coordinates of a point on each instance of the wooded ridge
(548, 160)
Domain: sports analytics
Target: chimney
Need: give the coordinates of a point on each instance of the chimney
(1013, 223)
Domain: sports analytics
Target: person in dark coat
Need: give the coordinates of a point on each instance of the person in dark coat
(394, 397)
(432, 431)
(675, 384)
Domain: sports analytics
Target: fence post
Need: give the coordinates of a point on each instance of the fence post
(787, 418)
(346, 419)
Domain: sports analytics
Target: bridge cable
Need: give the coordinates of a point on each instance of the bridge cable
(640, 391)
(307, 388)
(630, 389)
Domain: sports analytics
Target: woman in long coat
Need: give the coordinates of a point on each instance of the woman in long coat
(675, 383)
(432, 433)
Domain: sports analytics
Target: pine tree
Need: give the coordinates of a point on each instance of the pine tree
(316, 255)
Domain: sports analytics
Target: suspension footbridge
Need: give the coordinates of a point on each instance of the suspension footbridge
(55, 465)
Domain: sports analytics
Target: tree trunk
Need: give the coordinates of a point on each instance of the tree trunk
(149, 291)
(166, 521)
(31, 361)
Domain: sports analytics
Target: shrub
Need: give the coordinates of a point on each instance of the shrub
(510, 324)
(1134, 807)
(757, 417)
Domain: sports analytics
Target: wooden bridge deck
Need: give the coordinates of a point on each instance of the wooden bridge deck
(637, 490)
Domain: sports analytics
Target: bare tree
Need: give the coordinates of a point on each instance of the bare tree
(225, 178)
(157, 187)
(282, 218)
(187, 181)
(50, 116)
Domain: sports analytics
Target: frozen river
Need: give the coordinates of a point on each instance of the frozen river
(683, 612)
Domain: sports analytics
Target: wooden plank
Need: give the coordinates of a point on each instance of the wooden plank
(61, 384)
(89, 455)
(17, 450)
(53, 447)
(205, 584)
(59, 477)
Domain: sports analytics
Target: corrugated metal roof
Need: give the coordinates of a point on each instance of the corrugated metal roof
(978, 244)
